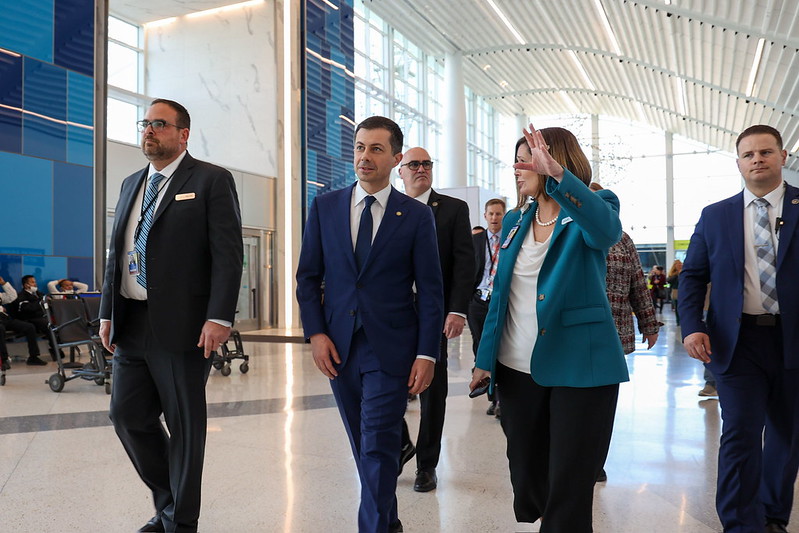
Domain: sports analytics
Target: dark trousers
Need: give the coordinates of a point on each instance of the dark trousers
(558, 439)
(372, 403)
(433, 404)
(24, 328)
(150, 380)
(478, 309)
(757, 470)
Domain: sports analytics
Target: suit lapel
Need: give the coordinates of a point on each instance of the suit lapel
(392, 219)
(342, 215)
(176, 183)
(734, 214)
(127, 206)
(790, 219)
(433, 202)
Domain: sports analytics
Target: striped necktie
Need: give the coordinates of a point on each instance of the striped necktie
(766, 263)
(146, 222)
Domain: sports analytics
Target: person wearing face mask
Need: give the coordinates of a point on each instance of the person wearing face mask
(66, 286)
(28, 308)
(8, 295)
(549, 342)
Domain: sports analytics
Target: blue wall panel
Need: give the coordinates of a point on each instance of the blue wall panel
(72, 220)
(46, 79)
(73, 40)
(26, 27)
(28, 183)
(328, 94)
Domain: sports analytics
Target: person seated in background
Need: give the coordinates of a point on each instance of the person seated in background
(7, 296)
(62, 286)
(28, 308)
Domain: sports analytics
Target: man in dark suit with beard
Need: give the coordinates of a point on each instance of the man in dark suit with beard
(457, 268)
(169, 297)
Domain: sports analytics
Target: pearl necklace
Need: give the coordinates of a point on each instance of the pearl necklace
(538, 219)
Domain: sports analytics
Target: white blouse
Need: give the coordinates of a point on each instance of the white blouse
(521, 325)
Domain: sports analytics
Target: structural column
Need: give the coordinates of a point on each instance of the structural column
(595, 154)
(669, 200)
(454, 139)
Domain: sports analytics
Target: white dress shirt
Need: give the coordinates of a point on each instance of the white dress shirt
(753, 299)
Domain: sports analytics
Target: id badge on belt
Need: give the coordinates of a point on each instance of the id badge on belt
(133, 263)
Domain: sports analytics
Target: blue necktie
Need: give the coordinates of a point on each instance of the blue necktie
(363, 243)
(148, 210)
(766, 264)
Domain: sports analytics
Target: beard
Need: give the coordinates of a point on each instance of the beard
(156, 151)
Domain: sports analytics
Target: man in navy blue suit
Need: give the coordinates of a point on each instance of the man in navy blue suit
(376, 342)
(746, 247)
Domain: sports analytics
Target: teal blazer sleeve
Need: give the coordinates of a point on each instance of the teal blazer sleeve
(577, 343)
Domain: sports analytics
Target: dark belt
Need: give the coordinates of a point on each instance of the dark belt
(767, 320)
(132, 303)
(479, 295)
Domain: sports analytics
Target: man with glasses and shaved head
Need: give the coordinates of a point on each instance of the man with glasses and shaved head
(169, 297)
(456, 254)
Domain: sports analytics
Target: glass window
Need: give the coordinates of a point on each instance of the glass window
(119, 30)
(121, 121)
(123, 67)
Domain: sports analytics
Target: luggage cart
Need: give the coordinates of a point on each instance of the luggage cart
(69, 327)
(222, 360)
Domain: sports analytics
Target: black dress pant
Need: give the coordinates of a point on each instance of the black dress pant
(27, 330)
(150, 380)
(478, 309)
(558, 439)
(433, 404)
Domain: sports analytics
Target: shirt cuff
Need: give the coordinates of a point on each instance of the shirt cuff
(426, 358)
(104, 320)
(462, 315)
(221, 322)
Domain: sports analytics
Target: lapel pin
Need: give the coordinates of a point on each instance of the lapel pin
(399, 213)
(795, 201)
(435, 204)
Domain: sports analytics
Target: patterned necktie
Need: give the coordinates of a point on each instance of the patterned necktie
(494, 259)
(148, 205)
(766, 264)
(363, 243)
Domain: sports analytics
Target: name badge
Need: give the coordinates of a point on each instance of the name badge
(510, 236)
(566, 221)
(133, 263)
(184, 196)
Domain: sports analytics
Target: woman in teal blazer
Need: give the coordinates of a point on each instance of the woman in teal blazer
(549, 343)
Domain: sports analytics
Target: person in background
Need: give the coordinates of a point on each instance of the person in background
(627, 294)
(477, 229)
(657, 279)
(66, 286)
(25, 329)
(673, 279)
(549, 341)
(486, 255)
(747, 247)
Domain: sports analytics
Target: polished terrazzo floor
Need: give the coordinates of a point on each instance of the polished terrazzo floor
(278, 458)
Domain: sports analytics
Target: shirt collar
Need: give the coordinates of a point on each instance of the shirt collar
(424, 197)
(168, 170)
(381, 196)
(774, 198)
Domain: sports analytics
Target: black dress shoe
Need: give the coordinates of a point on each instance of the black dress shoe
(396, 527)
(425, 481)
(154, 524)
(775, 527)
(406, 454)
(34, 360)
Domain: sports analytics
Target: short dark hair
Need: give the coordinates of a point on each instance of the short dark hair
(27, 277)
(758, 129)
(183, 120)
(396, 139)
(496, 201)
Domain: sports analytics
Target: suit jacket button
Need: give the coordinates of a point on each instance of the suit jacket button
(352, 313)
(541, 297)
(543, 331)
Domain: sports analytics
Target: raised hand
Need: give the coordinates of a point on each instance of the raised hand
(541, 162)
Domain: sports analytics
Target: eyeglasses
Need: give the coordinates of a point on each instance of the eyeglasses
(414, 165)
(157, 125)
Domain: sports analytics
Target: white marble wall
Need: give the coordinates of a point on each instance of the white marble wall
(222, 67)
